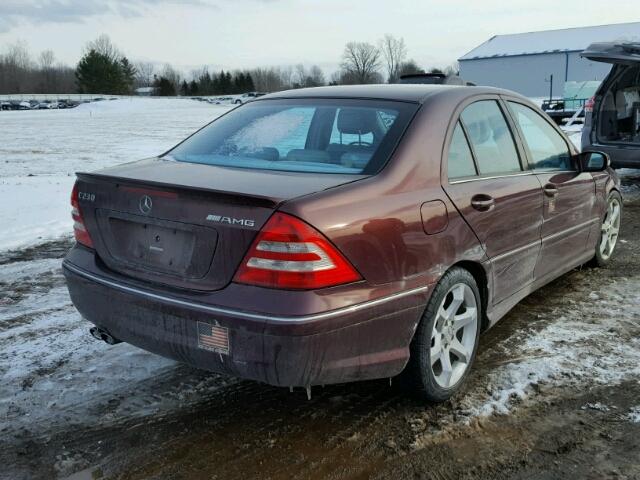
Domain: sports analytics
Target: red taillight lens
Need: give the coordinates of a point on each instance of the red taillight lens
(79, 229)
(289, 253)
(588, 105)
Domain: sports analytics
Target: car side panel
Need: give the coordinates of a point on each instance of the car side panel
(568, 219)
(376, 222)
(509, 232)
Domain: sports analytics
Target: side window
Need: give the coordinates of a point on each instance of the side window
(491, 138)
(460, 161)
(547, 148)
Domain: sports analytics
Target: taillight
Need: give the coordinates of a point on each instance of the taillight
(588, 105)
(289, 253)
(79, 228)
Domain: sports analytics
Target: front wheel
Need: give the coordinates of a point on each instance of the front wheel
(445, 343)
(609, 230)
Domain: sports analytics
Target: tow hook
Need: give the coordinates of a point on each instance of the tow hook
(101, 334)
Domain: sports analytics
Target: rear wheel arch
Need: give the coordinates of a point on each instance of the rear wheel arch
(419, 375)
(481, 277)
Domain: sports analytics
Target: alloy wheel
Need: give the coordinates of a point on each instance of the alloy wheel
(454, 335)
(610, 229)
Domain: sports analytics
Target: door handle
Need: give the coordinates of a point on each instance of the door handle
(482, 202)
(550, 190)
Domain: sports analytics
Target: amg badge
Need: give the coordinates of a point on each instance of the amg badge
(246, 222)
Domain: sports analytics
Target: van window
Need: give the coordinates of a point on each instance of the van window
(491, 138)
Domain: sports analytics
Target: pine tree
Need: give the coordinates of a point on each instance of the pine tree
(128, 75)
(193, 88)
(184, 88)
(250, 87)
(228, 82)
(97, 73)
(164, 87)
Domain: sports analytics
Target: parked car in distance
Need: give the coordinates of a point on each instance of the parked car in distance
(47, 105)
(612, 121)
(338, 234)
(245, 97)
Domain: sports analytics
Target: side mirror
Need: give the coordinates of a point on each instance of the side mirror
(594, 161)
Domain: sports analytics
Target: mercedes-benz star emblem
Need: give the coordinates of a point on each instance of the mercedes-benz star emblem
(145, 204)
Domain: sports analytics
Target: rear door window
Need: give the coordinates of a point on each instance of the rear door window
(547, 148)
(460, 160)
(491, 138)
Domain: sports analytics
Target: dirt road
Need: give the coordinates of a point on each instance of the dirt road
(555, 393)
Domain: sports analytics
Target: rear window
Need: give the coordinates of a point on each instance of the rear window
(309, 135)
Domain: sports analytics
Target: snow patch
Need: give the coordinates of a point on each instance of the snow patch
(574, 349)
(40, 152)
(634, 415)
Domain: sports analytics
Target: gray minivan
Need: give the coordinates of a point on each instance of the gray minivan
(612, 119)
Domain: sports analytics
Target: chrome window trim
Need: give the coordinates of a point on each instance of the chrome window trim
(506, 175)
(492, 177)
(239, 313)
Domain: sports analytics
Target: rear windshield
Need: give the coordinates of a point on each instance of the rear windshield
(309, 135)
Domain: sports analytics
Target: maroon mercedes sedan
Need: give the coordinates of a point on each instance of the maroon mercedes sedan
(338, 234)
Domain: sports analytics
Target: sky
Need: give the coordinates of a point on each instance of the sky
(239, 34)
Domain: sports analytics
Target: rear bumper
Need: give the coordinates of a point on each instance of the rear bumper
(372, 340)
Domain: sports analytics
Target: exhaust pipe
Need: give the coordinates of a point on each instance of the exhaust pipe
(101, 334)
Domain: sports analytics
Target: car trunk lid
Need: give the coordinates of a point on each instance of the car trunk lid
(181, 224)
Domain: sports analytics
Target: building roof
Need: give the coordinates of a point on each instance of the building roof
(550, 41)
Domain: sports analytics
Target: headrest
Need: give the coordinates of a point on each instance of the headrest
(358, 121)
(479, 132)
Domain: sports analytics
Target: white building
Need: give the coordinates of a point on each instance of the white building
(145, 91)
(525, 62)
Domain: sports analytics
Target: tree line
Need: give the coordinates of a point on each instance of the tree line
(104, 69)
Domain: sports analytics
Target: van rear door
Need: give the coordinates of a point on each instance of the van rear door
(612, 118)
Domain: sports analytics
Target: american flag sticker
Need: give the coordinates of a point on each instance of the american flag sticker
(213, 338)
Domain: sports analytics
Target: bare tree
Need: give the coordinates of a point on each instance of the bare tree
(172, 75)
(47, 59)
(104, 46)
(361, 60)
(453, 69)
(394, 53)
(16, 68)
(303, 78)
(300, 76)
(316, 77)
(145, 72)
(287, 76)
(48, 78)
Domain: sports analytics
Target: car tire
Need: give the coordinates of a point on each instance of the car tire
(435, 334)
(609, 228)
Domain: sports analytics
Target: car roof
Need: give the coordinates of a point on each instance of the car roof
(415, 93)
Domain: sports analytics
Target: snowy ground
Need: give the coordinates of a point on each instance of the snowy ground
(41, 150)
(68, 402)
